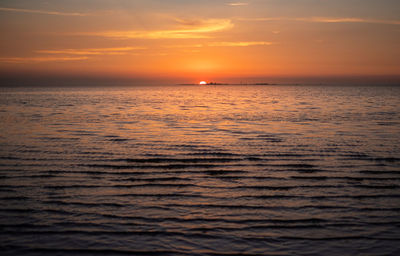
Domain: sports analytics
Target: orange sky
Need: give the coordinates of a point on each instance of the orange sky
(201, 39)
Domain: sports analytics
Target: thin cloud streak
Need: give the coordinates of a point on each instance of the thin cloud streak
(238, 4)
(223, 44)
(353, 20)
(239, 44)
(17, 60)
(326, 20)
(190, 29)
(184, 46)
(94, 51)
(44, 12)
(86, 54)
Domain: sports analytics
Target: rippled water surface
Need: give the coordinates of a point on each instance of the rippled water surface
(190, 170)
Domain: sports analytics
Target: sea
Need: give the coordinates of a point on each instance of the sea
(200, 170)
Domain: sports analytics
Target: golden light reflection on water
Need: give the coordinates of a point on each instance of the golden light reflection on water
(226, 163)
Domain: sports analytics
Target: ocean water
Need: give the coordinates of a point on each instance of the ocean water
(200, 170)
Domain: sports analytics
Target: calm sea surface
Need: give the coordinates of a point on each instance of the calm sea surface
(200, 170)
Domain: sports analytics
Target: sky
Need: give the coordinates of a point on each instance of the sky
(190, 40)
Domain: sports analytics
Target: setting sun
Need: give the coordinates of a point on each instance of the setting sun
(203, 83)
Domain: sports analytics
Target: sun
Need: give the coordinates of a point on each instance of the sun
(203, 83)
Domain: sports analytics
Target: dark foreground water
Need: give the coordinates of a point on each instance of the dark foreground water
(190, 170)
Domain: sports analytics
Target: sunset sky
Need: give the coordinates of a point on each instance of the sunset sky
(202, 39)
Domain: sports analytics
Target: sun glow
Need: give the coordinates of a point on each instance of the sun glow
(203, 83)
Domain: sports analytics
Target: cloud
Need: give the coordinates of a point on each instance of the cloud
(238, 4)
(82, 54)
(40, 59)
(184, 46)
(63, 55)
(239, 44)
(351, 20)
(93, 51)
(265, 19)
(188, 29)
(326, 20)
(222, 44)
(44, 12)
